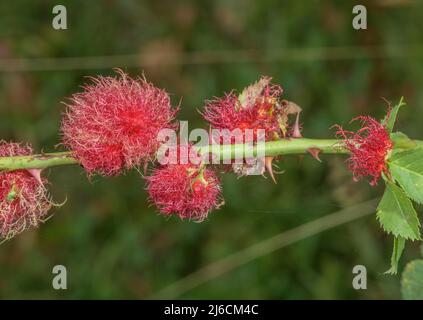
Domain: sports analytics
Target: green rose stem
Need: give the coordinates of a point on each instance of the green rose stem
(271, 148)
(276, 148)
(37, 161)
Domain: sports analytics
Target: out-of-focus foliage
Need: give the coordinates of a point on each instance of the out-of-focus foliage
(412, 280)
(113, 244)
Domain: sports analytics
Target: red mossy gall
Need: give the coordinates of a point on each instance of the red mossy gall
(113, 124)
(369, 147)
(257, 107)
(189, 190)
(24, 201)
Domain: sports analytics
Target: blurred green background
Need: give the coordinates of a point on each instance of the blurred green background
(113, 244)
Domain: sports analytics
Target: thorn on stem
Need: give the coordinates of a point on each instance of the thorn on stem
(297, 132)
(36, 173)
(315, 153)
(269, 168)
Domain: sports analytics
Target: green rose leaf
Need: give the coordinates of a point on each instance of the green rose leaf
(396, 254)
(402, 142)
(390, 121)
(407, 169)
(396, 213)
(412, 281)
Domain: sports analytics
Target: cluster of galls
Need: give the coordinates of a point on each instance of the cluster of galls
(112, 126)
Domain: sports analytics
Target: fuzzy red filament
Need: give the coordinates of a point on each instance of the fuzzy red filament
(113, 125)
(369, 147)
(24, 201)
